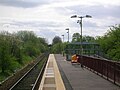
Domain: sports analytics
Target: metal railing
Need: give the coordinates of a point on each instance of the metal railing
(106, 68)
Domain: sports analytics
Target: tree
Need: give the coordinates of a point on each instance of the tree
(57, 45)
(18, 48)
(6, 57)
(30, 43)
(110, 43)
(56, 40)
(88, 39)
(57, 48)
(76, 37)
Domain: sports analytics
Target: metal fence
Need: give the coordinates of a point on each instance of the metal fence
(108, 69)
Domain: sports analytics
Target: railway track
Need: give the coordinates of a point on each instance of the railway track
(31, 79)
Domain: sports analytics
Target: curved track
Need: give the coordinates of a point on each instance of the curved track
(30, 80)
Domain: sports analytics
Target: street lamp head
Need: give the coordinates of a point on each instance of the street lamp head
(74, 16)
(78, 21)
(88, 16)
(67, 29)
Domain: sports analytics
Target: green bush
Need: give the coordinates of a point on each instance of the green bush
(18, 49)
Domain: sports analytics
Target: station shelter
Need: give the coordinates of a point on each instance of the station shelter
(88, 48)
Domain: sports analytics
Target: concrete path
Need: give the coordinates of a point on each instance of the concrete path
(76, 78)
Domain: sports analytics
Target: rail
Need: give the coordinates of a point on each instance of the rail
(31, 79)
(39, 78)
(106, 68)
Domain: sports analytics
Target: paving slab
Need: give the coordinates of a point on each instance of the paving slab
(77, 78)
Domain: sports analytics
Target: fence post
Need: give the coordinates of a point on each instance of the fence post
(107, 70)
(102, 68)
(114, 72)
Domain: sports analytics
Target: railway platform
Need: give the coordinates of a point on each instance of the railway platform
(62, 75)
(51, 79)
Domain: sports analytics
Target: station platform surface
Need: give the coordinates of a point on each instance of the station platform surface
(76, 78)
(51, 79)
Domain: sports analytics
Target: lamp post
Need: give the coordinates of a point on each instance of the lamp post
(80, 23)
(68, 33)
(63, 38)
(63, 45)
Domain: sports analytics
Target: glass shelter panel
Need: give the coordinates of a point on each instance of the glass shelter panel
(90, 49)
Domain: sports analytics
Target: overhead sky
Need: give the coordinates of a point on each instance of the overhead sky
(50, 18)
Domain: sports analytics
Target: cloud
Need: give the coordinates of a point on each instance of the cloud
(97, 11)
(102, 17)
(45, 33)
(32, 25)
(53, 17)
(32, 22)
(23, 3)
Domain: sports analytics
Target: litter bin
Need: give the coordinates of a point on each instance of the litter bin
(68, 57)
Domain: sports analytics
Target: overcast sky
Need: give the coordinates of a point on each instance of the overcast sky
(50, 18)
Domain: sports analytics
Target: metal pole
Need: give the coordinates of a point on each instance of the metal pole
(63, 38)
(81, 41)
(68, 34)
(81, 35)
(63, 45)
